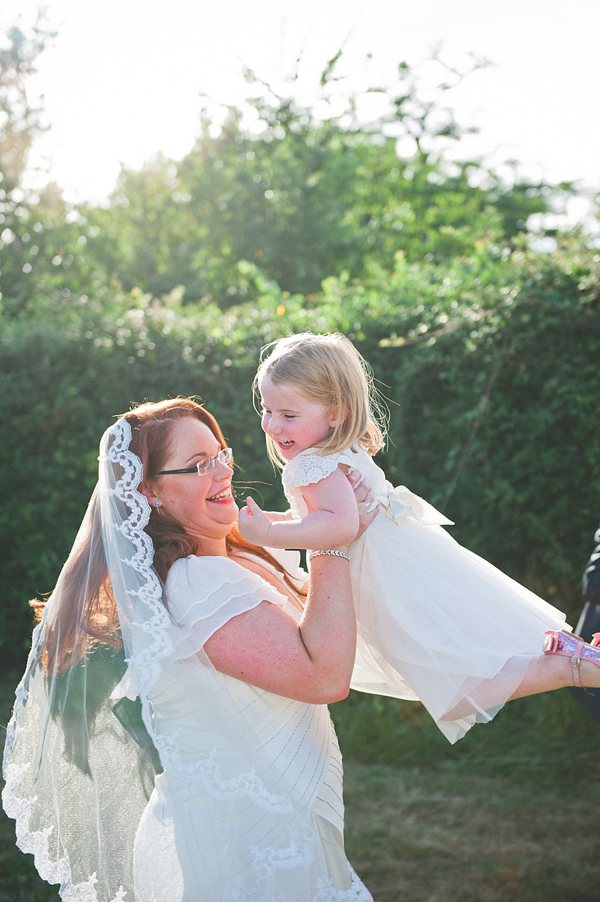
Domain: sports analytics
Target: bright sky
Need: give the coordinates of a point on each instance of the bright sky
(123, 78)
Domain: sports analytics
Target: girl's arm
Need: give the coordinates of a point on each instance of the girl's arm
(332, 519)
(276, 516)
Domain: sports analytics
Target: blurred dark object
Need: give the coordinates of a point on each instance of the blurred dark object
(589, 623)
(591, 576)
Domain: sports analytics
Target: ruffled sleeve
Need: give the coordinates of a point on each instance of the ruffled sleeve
(203, 593)
(311, 466)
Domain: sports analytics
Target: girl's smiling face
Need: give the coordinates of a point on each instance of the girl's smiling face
(292, 420)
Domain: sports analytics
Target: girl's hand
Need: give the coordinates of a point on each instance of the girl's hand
(365, 500)
(253, 523)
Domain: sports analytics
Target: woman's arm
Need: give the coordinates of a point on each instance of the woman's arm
(310, 661)
(332, 518)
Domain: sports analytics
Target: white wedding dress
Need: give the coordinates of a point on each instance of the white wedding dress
(249, 806)
(436, 622)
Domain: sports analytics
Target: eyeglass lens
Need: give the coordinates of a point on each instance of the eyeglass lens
(225, 455)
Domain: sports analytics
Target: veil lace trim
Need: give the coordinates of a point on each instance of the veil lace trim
(150, 638)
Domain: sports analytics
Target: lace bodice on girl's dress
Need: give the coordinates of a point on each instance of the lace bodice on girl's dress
(435, 621)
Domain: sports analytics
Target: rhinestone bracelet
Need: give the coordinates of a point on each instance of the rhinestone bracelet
(331, 551)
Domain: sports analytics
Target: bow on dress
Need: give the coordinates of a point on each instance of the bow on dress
(400, 503)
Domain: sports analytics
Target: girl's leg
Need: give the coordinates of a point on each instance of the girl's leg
(547, 672)
(574, 660)
(544, 673)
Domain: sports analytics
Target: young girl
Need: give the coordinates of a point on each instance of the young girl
(435, 622)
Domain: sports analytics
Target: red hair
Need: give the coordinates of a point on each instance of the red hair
(88, 618)
(152, 425)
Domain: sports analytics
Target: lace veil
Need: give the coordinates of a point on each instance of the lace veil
(91, 732)
(79, 760)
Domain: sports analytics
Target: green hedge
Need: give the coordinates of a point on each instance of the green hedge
(490, 365)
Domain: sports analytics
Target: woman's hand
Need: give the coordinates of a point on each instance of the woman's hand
(365, 500)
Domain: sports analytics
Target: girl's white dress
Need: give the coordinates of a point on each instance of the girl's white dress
(436, 622)
(249, 806)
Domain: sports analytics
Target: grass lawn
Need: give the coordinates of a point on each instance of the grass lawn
(450, 835)
(511, 812)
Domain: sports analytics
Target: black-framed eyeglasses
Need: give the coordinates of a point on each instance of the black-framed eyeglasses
(204, 466)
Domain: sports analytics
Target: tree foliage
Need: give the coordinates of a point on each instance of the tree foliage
(306, 194)
(20, 116)
(489, 364)
(486, 349)
(42, 245)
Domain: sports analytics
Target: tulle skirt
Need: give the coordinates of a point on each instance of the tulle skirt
(439, 624)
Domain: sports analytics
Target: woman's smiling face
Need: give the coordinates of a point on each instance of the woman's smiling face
(202, 505)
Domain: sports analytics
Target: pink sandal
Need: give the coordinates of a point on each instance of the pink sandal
(559, 642)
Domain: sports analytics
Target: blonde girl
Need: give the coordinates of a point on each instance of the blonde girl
(435, 622)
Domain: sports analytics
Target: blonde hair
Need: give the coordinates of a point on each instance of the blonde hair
(328, 369)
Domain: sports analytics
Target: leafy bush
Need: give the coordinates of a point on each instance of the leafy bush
(489, 363)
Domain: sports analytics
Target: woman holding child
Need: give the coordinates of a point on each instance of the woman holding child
(171, 740)
(234, 657)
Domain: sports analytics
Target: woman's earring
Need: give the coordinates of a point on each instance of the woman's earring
(157, 506)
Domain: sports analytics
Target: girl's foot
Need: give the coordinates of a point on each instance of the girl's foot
(560, 642)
